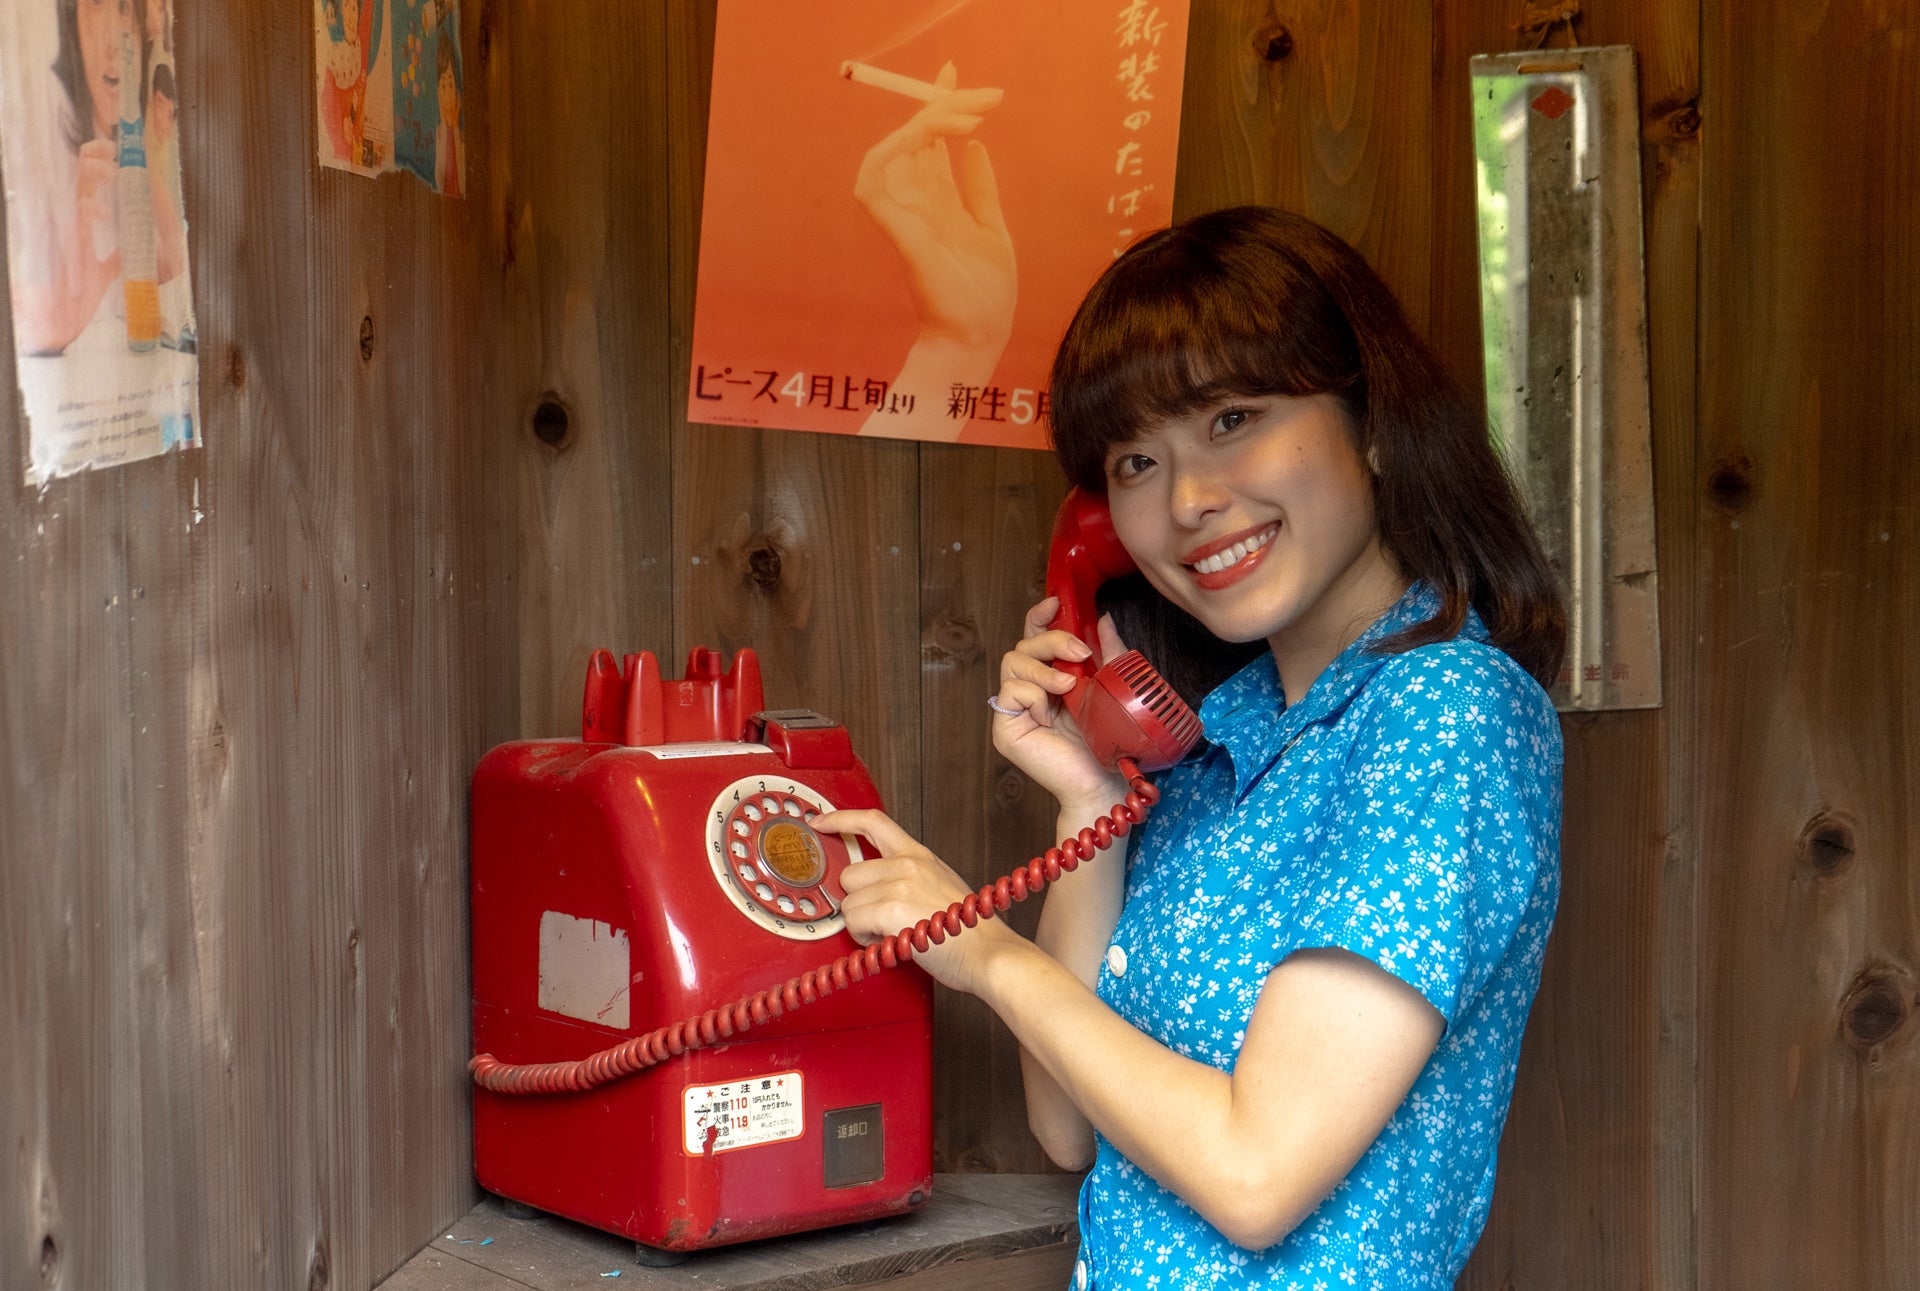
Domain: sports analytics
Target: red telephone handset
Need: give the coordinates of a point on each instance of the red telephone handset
(1124, 709)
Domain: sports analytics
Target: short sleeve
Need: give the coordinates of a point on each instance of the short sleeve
(1443, 839)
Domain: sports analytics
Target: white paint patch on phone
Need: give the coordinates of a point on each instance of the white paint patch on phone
(585, 968)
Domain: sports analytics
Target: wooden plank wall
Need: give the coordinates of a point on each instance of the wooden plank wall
(449, 457)
(1808, 803)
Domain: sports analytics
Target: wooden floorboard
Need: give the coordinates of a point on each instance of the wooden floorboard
(981, 1231)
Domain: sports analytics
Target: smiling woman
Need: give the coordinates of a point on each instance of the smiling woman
(1253, 301)
(1332, 927)
(1254, 514)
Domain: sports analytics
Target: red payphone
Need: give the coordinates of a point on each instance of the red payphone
(662, 862)
(666, 862)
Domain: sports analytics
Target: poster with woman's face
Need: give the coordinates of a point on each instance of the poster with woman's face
(103, 324)
(388, 89)
(905, 201)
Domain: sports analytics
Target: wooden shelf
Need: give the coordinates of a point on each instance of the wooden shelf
(983, 1232)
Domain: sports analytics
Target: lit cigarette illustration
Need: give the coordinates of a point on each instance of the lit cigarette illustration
(867, 74)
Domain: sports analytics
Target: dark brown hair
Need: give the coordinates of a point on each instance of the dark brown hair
(1255, 301)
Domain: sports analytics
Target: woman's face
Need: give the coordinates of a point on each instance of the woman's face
(102, 23)
(1255, 515)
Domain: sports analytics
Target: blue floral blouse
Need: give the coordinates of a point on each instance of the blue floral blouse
(1407, 810)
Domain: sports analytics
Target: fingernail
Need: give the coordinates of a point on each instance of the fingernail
(1079, 649)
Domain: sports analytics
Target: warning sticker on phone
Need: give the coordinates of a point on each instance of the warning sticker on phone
(742, 1113)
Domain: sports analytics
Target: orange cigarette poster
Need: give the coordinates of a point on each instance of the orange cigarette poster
(904, 203)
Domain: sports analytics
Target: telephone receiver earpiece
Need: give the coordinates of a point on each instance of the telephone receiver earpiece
(1124, 709)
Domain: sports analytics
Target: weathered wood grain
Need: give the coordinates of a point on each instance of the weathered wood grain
(236, 787)
(579, 242)
(975, 1231)
(985, 516)
(1323, 107)
(1807, 521)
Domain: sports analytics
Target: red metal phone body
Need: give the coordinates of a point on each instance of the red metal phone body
(598, 915)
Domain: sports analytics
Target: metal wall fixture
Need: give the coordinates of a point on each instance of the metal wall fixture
(1563, 307)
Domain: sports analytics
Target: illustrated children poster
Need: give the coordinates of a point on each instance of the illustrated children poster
(103, 325)
(904, 203)
(388, 84)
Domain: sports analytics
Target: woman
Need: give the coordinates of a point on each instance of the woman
(1283, 1031)
(66, 253)
(64, 220)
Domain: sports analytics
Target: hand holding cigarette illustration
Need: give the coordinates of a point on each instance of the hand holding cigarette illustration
(943, 217)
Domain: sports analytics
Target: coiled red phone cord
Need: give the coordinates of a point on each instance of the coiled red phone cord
(641, 1052)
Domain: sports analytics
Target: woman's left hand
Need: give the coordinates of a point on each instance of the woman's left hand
(901, 885)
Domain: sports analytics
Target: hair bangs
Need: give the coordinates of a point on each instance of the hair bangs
(1170, 328)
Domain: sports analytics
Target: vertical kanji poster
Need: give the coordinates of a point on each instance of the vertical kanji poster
(904, 203)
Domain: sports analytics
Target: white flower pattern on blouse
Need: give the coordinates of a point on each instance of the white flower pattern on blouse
(1407, 810)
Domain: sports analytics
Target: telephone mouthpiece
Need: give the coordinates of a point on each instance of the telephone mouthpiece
(1127, 709)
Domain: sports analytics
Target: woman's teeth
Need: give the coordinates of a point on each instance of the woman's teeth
(1238, 552)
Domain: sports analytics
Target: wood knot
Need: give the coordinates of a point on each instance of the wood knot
(1273, 42)
(236, 367)
(552, 425)
(1730, 481)
(366, 338)
(1684, 122)
(49, 1260)
(1875, 1008)
(1827, 844)
(952, 640)
(319, 1275)
(763, 562)
(1010, 788)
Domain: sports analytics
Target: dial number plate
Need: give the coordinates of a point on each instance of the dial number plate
(768, 860)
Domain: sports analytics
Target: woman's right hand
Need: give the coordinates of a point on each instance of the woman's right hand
(1041, 738)
(942, 214)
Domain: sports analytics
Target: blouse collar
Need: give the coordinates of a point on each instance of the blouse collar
(1248, 715)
